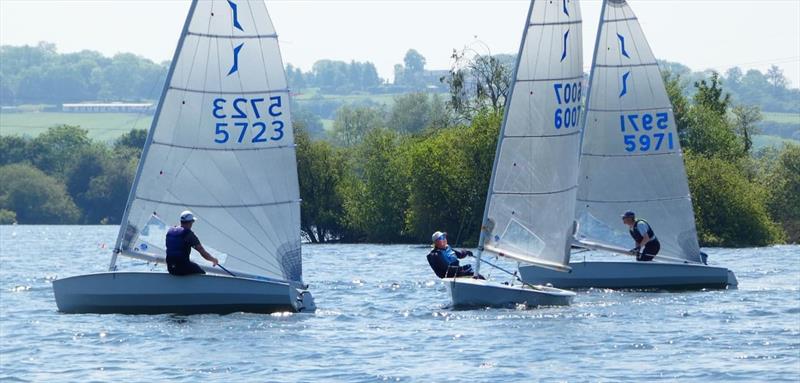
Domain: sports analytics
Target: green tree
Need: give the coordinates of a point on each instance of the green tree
(13, 149)
(729, 209)
(376, 200)
(353, 122)
(450, 172)
(709, 134)
(35, 197)
(776, 78)
(783, 182)
(57, 150)
(680, 105)
(107, 192)
(745, 124)
(490, 76)
(321, 170)
(134, 139)
(7, 217)
(413, 70)
(710, 95)
(88, 165)
(411, 113)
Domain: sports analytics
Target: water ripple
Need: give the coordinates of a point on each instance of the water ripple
(396, 326)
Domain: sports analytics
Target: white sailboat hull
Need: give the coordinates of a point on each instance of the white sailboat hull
(162, 293)
(632, 275)
(470, 292)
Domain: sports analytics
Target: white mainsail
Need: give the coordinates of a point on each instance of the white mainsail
(222, 145)
(531, 200)
(631, 158)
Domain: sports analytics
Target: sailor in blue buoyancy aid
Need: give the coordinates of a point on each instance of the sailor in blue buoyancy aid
(444, 259)
(647, 245)
(180, 241)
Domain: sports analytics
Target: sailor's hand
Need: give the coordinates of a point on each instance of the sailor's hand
(215, 261)
(468, 253)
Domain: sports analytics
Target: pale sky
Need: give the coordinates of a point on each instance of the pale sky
(702, 34)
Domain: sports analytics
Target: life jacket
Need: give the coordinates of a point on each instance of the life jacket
(177, 248)
(637, 236)
(440, 263)
(449, 255)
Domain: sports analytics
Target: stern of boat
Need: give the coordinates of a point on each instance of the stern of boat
(302, 299)
(733, 283)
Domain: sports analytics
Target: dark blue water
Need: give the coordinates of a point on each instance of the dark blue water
(382, 316)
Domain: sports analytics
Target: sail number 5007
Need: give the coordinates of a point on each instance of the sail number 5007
(567, 93)
(260, 131)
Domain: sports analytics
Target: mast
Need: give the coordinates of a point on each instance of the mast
(146, 149)
(484, 221)
(591, 76)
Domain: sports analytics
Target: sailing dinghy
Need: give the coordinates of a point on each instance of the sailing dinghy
(531, 198)
(222, 145)
(631, 160)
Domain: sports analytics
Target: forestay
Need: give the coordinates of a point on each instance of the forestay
(631, 158)
(530, 206)
(222, 145)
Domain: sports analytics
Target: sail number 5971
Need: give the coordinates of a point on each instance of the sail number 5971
(260, 131)
(650, 135)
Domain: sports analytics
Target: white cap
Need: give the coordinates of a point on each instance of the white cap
(187, 216)
(437, 235)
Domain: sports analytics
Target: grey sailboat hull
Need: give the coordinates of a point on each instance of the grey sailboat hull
(632, 275)
(469, 293)
(162, 293)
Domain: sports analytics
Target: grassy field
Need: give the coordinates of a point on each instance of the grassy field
(783, 118)
(103, 127)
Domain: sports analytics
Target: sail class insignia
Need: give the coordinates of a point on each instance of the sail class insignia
(235, 15)
(624, 83)
(235, 66)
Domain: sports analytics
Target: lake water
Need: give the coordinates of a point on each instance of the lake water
(383, 316)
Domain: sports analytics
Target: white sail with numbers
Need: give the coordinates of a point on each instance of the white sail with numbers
(631, 158)
(530, 205)
(222, 146)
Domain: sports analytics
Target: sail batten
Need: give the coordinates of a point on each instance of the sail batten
(631, 157)
(272, 36)
(222, 145)
(283, 90)
(531, 198)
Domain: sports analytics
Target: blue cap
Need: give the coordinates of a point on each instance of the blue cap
(628, 214)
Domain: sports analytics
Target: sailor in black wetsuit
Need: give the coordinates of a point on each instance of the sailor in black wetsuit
(180, 241)
(647, 245)
(444, 259)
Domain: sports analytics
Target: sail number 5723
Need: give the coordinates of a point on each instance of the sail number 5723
(234, 123)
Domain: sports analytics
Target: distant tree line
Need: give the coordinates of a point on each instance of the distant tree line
(769, 91)
(40, 75)
(336, 77)
(395, 175)
(63, 177)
